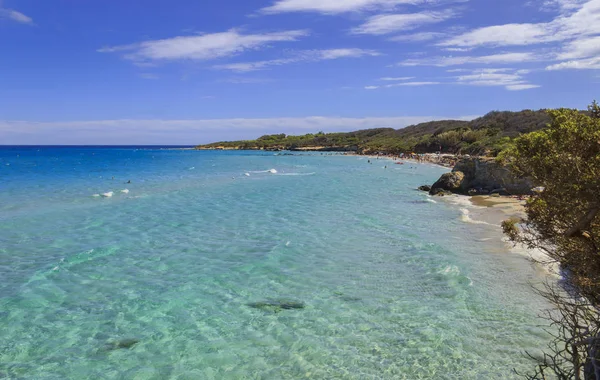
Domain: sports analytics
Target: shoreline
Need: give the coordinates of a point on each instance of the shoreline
(493, 210)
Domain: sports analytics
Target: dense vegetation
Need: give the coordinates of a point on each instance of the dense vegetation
(563, 220)
(487, 135)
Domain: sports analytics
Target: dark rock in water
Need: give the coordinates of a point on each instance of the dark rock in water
(425, 188)
(121, 344)
(277, 305)
(440, 192)
(452, 181)
(350, 298)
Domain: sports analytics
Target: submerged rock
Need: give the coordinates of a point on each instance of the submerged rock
(440, 192)
(425, 188)
(276, 305)
(126, 343)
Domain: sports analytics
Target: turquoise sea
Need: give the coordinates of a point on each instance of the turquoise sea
(156, 283)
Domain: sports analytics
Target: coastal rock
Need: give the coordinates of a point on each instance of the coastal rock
(452, 182)
(477, 191)
(482, 176)
(425, 188)
(501, 191)
(489, 175)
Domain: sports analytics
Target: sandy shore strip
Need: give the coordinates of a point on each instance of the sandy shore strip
(494, 210)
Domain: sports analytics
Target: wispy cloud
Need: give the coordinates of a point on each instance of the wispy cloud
(418, 37)
(201, 47)
(579, 18)
(501, 58)
(409, 84)
(336, 6)
(15, 16)
(520, 87)
(391, 79)
(300, 56)
(510, 79)
(188, 131)
(389, 23)
(579, 54)
(576, 29)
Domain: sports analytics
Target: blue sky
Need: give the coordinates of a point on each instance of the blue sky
(195, 71)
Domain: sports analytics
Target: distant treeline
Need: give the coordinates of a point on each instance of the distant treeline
(487, 135)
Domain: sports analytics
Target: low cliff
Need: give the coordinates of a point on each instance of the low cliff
(478, 176)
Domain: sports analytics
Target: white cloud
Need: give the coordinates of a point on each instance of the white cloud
(502, 35)
(461, 50)
(501, 58)
(510, 79)
(402, 84)
(335, 6)
(576, 19)
(582, 48)
(15, 16)
(520, 87)
(202, 47)
(576, 30)
(188, 132)
(388, 23)
(581, 64)
(300, 56)
(418, 37)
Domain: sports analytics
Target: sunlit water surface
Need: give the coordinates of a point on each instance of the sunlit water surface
(155, 283)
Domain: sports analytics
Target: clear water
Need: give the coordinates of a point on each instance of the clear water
(395, 286)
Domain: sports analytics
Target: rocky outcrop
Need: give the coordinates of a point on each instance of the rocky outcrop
(478, 176)
(453, 181)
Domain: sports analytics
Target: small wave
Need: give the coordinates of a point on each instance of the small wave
(430, 200)
(125, 191)
(107, 195)
(466, 217)
(272, 171)
(192, 168)
(247, 174)
(95, 195)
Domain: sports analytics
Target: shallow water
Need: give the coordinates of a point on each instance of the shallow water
(156, 283)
